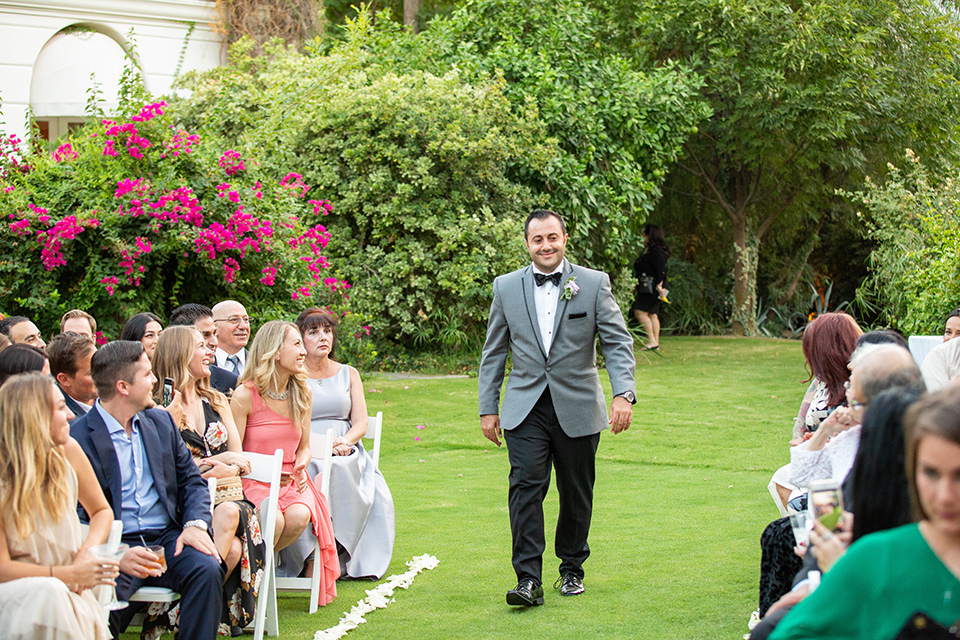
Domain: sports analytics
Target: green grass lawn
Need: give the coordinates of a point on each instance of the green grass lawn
(679, 506)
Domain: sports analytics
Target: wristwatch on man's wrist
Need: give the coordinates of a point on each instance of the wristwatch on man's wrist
(199, 524)
(629, 396)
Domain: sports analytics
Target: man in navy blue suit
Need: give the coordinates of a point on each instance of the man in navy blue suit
(153, 485)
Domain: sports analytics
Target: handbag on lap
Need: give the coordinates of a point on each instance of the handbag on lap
(920, 626)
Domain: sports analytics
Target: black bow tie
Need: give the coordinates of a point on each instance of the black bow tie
(553, 277)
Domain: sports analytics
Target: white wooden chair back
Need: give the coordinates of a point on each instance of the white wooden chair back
(375, 432)
(267, 468)
(321, 448)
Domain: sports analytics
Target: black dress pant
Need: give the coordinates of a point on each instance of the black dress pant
(533, 446)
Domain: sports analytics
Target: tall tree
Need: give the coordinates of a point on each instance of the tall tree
(806, 97)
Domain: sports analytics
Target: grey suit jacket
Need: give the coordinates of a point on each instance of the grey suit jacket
(571, 370)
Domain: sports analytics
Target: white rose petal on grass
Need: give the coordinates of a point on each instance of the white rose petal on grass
(377, 598)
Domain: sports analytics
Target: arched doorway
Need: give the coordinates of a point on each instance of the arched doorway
(64, 75)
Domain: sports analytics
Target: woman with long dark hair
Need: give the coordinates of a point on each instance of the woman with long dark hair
(144, 328)
(650, 269)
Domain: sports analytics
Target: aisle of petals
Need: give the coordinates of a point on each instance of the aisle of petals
(377, 598)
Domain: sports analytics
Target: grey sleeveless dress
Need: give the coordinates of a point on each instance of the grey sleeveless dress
(360, 503)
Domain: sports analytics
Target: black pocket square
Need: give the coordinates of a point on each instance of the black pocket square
(574, 316)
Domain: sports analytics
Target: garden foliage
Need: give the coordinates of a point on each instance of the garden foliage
(436, 146)
(915, 269)
(422, 167)
(138, 214)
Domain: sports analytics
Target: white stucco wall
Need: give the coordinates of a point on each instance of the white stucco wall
(160, 28)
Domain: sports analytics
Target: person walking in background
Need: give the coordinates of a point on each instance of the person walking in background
(650, 269)
(549, 315)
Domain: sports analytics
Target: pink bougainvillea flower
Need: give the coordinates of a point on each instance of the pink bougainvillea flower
(419, 426)
(232, 163)
(65, 153)
(417, 439)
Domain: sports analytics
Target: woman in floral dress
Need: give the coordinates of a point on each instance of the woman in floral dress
(207, 428)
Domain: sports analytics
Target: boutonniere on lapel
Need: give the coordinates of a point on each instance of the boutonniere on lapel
(570, 288)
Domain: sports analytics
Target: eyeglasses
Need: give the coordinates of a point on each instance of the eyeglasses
(235, 320)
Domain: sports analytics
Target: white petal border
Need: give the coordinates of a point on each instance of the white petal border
(377, 598)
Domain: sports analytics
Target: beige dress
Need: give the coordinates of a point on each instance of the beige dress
(44, 608)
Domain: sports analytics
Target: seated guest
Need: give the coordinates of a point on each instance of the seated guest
(149, 477)
(201, 319)
(875, 491)
(876, 370)
(941, 365)
(886, 578)
(207, 427)
(271, 407)
(233, 332)
(144, 328)
(951, 327)
(79, 322)
(360, 502)
(20, 330)
(46, 568)
(827, 344)
(830, 452)
(21, 358)
(69, 354)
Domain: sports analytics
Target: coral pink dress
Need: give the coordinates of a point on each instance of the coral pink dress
(266, 431)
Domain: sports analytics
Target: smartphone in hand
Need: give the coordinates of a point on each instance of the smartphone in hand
(825, 502)
(167, 396)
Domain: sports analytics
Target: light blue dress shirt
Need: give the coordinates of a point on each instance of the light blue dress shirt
(142, 509)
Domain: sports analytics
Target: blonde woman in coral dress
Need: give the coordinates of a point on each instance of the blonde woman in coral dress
(46, 570)
(271, 407)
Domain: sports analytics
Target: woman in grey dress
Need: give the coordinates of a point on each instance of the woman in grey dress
(361, 506)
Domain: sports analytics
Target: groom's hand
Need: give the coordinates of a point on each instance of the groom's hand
(621, 413)
(490, 423)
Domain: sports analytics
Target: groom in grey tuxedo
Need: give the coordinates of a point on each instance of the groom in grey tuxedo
(548, 315)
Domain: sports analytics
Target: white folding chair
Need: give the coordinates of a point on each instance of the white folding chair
(375, 432)
(266, 468)
(920, 346)
(323, 445)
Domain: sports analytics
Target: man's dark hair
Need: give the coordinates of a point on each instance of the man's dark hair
(882, 336)
(188, 314)
(20, 358)
(112, 362)
(66, 349)
(9, 323)
(542, 214)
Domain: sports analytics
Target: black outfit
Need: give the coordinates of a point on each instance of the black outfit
(532, 446)
(222, 380)
(652, 263)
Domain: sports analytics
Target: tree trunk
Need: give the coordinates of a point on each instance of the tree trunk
(410, 10)
(746, 250)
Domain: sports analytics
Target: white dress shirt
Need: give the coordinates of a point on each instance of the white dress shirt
(545, 298)
(221, 359)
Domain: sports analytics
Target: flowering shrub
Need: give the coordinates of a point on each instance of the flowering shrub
(139, 214)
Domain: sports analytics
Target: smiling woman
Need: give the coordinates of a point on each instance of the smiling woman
(271, 407)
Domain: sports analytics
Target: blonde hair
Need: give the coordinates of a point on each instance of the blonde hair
(33, 469)
(175, 349)
(261, 368)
